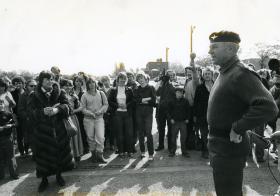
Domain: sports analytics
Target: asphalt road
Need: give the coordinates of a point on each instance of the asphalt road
(133, 176)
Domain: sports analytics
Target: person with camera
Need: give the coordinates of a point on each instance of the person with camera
(165, 94)
(238, 102)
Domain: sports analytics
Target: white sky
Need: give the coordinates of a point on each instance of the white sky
(92, 35)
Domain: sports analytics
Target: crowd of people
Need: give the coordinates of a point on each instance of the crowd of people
(108, 117)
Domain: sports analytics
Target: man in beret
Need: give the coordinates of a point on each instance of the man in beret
(238, 102)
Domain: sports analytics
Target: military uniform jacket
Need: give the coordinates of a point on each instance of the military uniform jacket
(237, 101)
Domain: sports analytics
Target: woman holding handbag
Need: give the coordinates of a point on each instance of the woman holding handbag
(76, 140)
(48, 107)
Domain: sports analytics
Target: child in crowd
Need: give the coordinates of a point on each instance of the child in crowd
(6, 143)
(179, 114)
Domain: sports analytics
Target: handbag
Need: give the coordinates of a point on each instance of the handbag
(70, 127)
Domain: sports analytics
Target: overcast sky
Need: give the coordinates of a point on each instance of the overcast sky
(93, 35)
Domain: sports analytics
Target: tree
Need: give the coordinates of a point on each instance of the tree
(267, 51)
(204, 61)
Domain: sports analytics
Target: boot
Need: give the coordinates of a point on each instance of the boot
(43, 185)
(60, 181)
(93, 156)
(100, 158)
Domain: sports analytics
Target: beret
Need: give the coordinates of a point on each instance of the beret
(225, 36)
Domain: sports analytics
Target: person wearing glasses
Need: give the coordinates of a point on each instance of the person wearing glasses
(23, 116)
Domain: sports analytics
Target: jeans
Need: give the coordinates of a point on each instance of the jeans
(228, 174)
(123, 125)
(7, 155)
(176, 127)
(95, 133)
(144, 122)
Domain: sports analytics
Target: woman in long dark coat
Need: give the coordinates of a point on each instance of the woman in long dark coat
(48, 106)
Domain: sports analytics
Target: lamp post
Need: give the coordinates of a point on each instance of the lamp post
(191, 38)
(166, 55)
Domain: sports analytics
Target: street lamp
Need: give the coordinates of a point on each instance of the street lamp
(191, 38)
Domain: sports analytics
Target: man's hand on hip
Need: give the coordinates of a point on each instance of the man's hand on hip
(234, 137)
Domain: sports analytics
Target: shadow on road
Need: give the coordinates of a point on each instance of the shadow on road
(164, 175)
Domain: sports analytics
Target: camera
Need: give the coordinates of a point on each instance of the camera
(274, 65)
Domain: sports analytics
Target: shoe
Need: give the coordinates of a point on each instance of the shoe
(43, 185)
(60, 181)
(171, 154)
(117, 152)
(142, 155)
(130, 155)
(159, 148)
(15, 177)
(100, 158)
(151, 157)
(185, 154)
(122, 156)
(86, 151)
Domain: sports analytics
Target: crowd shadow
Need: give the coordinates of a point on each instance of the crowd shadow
(138, 176)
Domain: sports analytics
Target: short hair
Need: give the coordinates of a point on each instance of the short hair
(18, 79)
(121, 75)
(44, 74)
(91, 80)
(142, 74)
(29, 81)
(104, 78)
(129, 73)
(3, 84)
(209, 69)
(65, 82)
(55, 69)
(77, 78)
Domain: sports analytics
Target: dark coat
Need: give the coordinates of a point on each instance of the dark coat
(201, 104)
(53, 152)
(112, 99)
